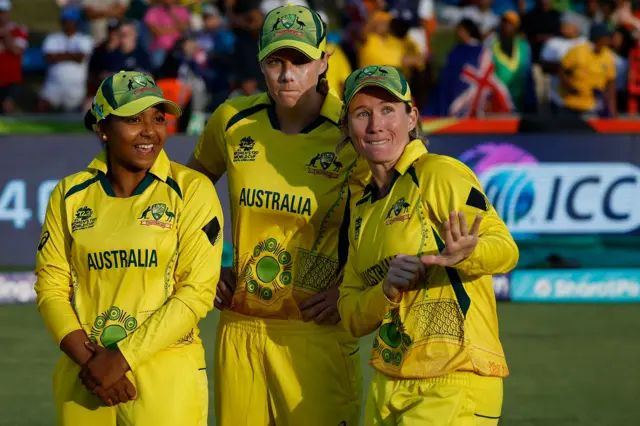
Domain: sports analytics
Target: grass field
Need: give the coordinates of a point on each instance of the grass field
(570, 365)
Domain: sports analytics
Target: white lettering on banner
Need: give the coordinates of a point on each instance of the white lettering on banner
(566, 198)
(13, 202)
(605, 289)
(501, 284)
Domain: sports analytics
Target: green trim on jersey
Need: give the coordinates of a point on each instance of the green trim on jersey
(174, 185)
(81, 186)
(458, 288)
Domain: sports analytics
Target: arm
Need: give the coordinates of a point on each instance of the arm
(197, 273)
(15, 43)
(54, 283)
(116, 11)
(361, 308)
(54, 58)
(456, 188)
(210, 154)
(611, 97)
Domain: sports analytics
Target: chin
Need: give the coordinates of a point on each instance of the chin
(288, 100)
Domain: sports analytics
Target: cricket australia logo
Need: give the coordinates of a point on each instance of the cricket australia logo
(399, 212)
(392, 342)
(112, 326)
(369, 73)
(268, 269)
(288, 21)
(83, 219)
(325, 163)
(160, 216)
(245, 151)
(357, 230)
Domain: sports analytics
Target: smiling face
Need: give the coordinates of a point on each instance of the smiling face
(135, 142)
(379, 125)
(290, 75)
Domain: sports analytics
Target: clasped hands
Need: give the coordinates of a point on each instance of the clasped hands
(406, 272)
(104, 375)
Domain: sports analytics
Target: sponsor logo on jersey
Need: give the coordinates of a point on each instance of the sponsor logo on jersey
(118, 259)
(326, 164)
(44, 240)
(83, 219)
(112, 326)
(273, 200)
(160, 216)
(357, 229)
(245, 152)
(399, 212)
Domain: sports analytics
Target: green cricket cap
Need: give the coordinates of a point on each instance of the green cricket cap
(387, 77)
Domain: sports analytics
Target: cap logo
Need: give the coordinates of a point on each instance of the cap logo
(370, 71)
(288, 20)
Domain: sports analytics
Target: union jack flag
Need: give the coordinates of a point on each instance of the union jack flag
(469, 87)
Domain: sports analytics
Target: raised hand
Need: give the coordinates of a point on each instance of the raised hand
(459, 242)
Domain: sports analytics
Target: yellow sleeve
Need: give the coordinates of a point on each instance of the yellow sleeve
(374, 52)
(361, 307)
(211, 150)
(197, 273)
(53, 270)
(453, 186)
(570, 59)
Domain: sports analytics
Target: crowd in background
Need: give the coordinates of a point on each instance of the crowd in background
(509, 56)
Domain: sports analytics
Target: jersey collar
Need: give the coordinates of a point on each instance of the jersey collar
(412, 152)
(160, 168)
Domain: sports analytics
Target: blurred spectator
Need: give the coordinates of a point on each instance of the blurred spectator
(592, 14)
(167, 22)
(137, 10)
(214, 38)
(245, 19)
(13, 42)
(67, 53)
(468, 86)
(105, 59)
(248, 86)
(98, 12)
(134, 55)
(553, 51)
(539, 25)
(587, 76)
(386, 43)
(339, 65)
(512, 59)
(622, 42)
(424, 24)
(268, 5)
(478, 11)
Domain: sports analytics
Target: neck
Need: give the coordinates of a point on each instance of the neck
(294, 120)
(124, 180)
(382, 175)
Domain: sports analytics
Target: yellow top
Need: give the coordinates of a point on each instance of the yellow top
(288, 195)
(387, 50)
(589, 71)
(138, 272)
(339, 69)
(450, 322)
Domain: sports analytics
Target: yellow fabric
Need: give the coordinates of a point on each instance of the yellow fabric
(288, 195)
(285, 373)
(387, 50)
(450, 323)
(588, 71)
(457, 399)
(339, 68)
(172, 389)
(138, 272)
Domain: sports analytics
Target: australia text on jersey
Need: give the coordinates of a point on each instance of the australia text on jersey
(273, 200)
(116, 259)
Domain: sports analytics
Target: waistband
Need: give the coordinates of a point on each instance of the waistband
(458, 378)
(256, 325)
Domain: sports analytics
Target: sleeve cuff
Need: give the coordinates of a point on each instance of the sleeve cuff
(127, 353)
(63, 332)
(380, 302)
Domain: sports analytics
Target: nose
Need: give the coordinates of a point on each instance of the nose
(375, 123)
(148, 131)
(286, 76)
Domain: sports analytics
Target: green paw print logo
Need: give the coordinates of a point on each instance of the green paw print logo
(268, 269)
(392, 342)
(112, 326)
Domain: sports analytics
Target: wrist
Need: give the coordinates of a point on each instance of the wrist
(391, 292)
(122, 361)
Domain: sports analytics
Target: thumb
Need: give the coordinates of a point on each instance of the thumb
(433, 260)
(91, 346)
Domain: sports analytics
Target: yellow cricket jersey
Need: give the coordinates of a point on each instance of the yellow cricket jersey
(288, 195)
(138, 272)
(589, 72)
(450, 323)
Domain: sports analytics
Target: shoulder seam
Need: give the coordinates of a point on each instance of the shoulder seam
(244, 114)
(81, 186)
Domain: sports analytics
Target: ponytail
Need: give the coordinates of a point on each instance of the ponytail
(323, 84)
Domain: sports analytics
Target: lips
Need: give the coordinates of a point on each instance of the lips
(144, 149)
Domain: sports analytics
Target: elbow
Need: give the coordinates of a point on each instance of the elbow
(514, 256)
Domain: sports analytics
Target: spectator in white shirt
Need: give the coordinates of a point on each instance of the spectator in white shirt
(479, 11)
(67, 53)
(552, 53)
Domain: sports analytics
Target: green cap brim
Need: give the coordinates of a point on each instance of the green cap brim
(370, 83)
(142, 104)
(310, 51)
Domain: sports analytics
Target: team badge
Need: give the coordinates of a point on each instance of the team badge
(399, 212)
(323, 161)
(160, 216)
(157, 210)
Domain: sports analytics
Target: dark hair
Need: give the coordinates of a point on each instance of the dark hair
(470, 27)
(323, 83)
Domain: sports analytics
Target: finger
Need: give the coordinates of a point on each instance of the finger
(319, 319)
(454, 226)
(104, 396)
(122, 392)
(464, 230)
(113, 395)
(223, 293)
(448, 238)
(406, 275)
(130, 389)
(409, 266)
(90, 346)
(218, 304)
(475, 228)
(311, 313)
(313, 300)
(334, 318)
(433, 260)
